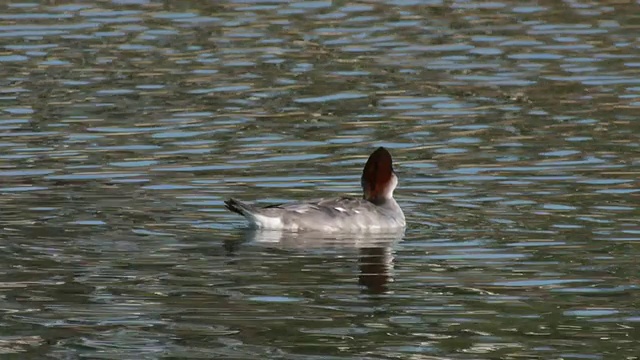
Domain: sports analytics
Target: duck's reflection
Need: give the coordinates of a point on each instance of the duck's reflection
(374, 251)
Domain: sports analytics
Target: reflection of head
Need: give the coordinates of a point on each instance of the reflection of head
(375, 269)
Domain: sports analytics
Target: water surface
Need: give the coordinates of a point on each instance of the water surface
(125, 124)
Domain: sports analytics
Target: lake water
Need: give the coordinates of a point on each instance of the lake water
(125, 124)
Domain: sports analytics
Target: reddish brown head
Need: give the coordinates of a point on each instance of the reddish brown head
(378, 179)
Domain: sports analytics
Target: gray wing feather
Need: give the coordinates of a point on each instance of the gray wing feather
(332, 214)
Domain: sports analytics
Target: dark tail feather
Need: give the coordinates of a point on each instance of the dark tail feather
(236, 206)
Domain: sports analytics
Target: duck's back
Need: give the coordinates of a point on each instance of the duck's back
(327, 215)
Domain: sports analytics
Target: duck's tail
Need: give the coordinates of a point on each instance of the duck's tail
(237, 206)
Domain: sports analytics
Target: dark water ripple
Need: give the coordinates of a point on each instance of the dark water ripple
(125, 124)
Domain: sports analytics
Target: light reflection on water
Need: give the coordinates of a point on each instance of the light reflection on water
(124, 125)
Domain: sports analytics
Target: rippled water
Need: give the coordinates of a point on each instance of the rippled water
(125, 124)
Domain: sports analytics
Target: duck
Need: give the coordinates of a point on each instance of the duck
(376, 211)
